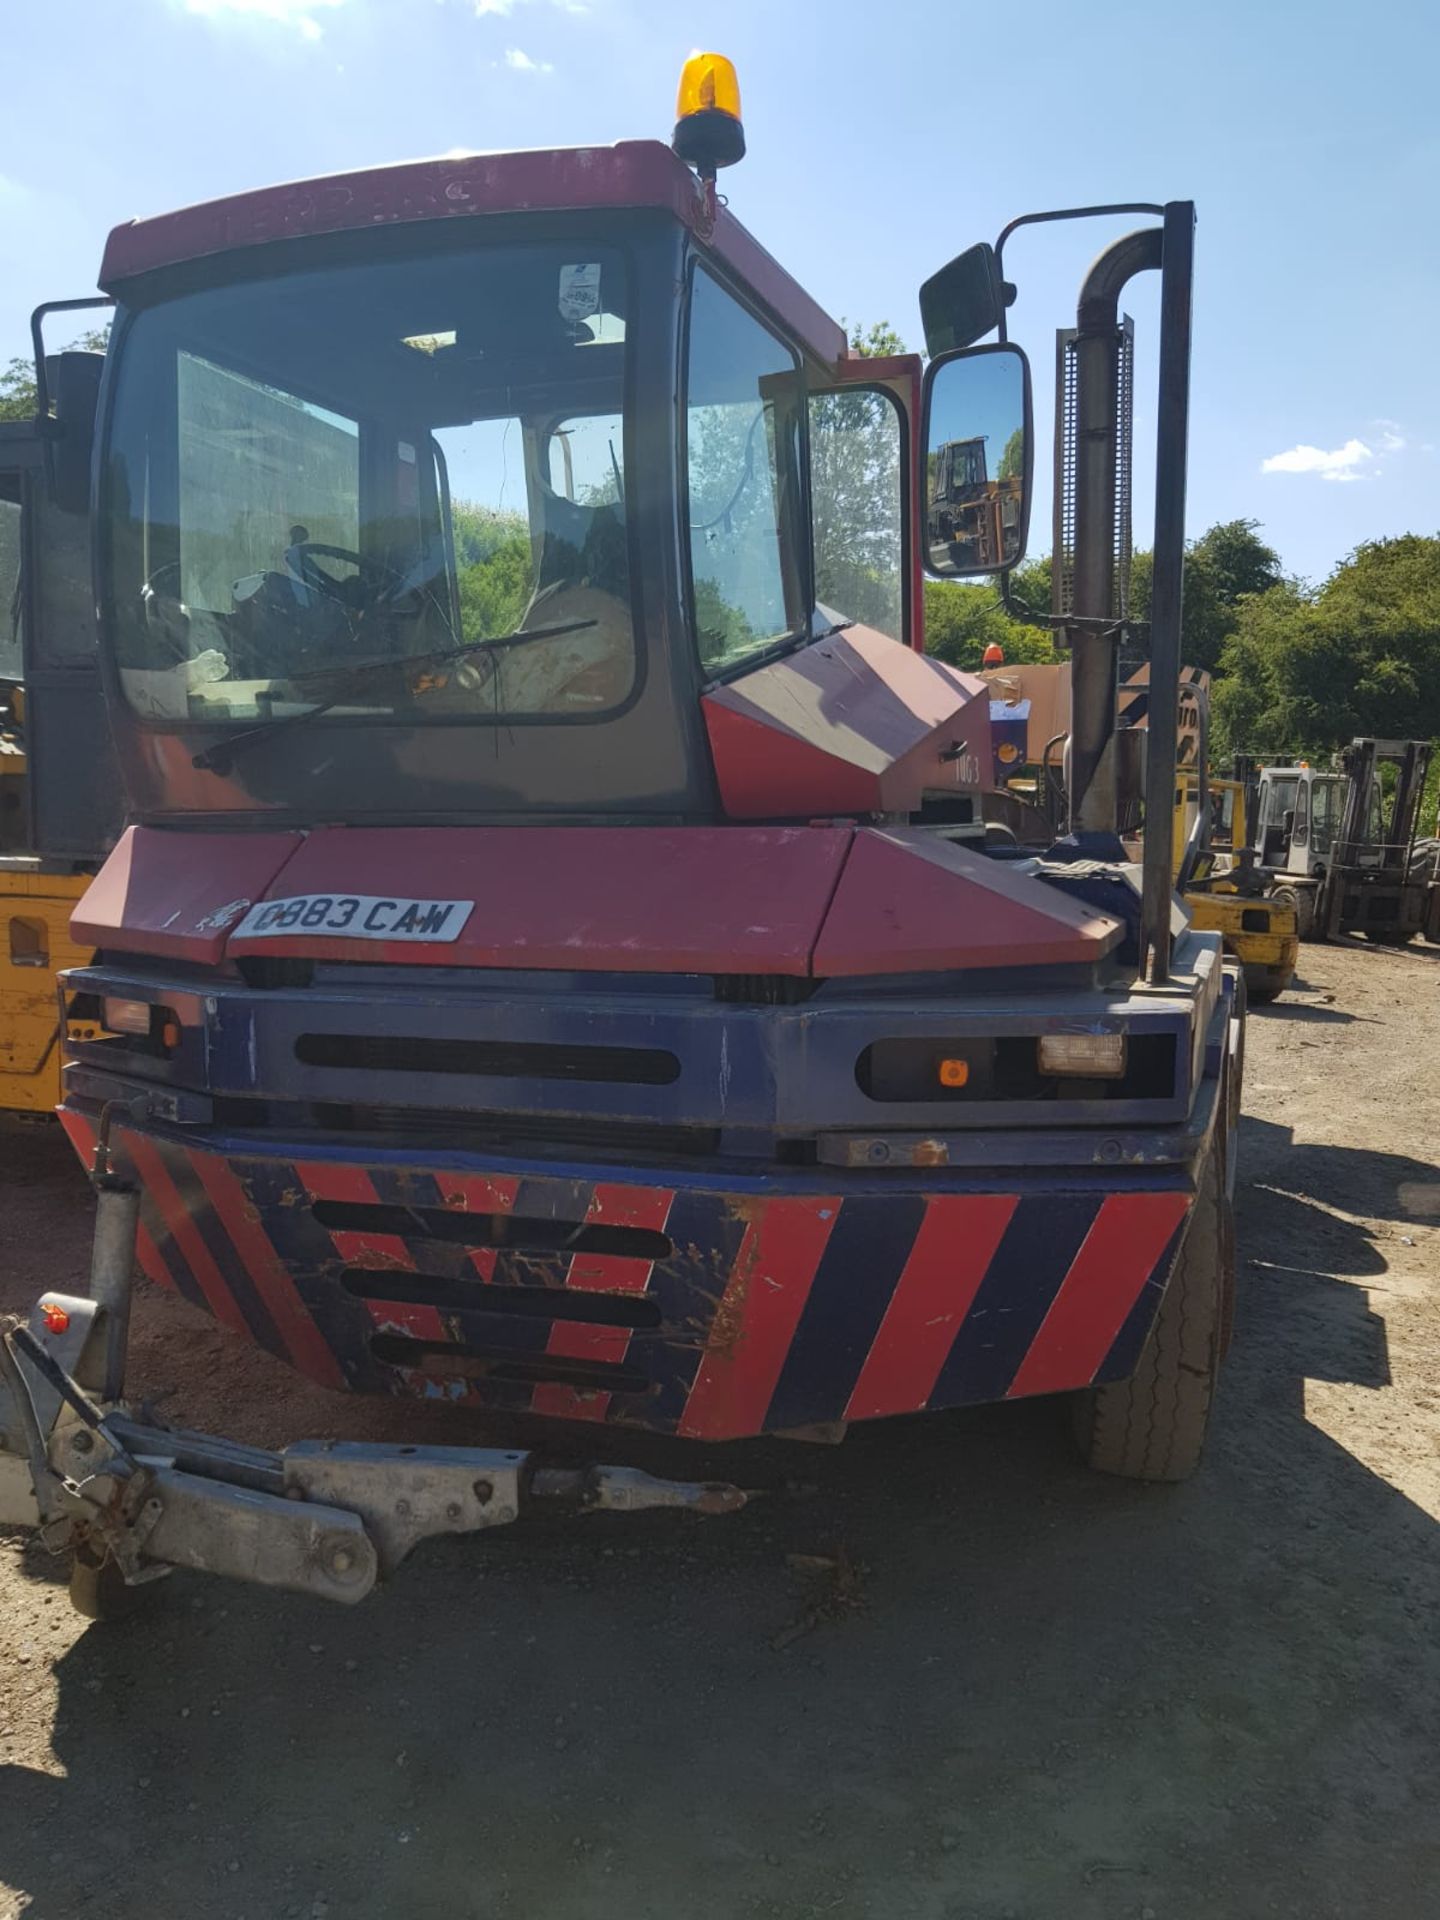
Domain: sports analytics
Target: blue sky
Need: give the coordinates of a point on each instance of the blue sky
(882, 140)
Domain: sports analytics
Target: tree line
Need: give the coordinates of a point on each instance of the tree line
(1298, 670)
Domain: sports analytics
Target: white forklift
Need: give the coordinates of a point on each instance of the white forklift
(1341, 852)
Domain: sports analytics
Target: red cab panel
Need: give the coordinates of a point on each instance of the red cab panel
(910, 903)
(624, 899)
(178, 894)
(853, 724)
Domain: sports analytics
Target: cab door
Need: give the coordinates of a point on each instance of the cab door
(59, 788)
(74, 806)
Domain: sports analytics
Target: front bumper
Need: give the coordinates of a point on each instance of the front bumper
(710, 1303)
(323, 1518)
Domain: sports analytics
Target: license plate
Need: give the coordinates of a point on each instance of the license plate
(355, 916)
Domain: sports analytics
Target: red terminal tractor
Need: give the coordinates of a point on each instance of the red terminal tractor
(557, 958)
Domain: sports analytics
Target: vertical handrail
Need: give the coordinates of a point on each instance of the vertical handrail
(1167, 584)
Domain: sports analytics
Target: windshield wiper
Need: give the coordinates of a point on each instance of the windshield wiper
(217, 759)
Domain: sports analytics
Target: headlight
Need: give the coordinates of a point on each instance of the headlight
(1084, 1056)
(126, 1016)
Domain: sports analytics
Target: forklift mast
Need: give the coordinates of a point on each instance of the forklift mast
(1399, 822)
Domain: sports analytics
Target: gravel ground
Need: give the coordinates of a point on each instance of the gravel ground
(1009, 1688)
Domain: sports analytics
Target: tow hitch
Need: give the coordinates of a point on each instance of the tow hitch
(132, 1500)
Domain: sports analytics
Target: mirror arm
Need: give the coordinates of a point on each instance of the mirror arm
(37, 342)
(51, 431)
(1060, 213)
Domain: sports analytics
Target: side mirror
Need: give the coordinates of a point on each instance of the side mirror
(979, 443)
(73, 380)
(963, 301)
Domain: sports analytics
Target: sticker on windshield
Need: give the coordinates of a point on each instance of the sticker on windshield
(356, 916)
(579, 290)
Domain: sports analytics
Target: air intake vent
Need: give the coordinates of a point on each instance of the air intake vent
(474, 1295)
(464, 1360)
(1062, 578)
(495, 1059)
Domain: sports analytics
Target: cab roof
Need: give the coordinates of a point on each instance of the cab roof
(632, 173)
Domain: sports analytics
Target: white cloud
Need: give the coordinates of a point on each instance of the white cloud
(502, 9)
(1344, 463)
(297, 15)
(520, 62)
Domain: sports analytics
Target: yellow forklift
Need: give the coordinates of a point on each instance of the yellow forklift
(47, 642)
(1226, 890)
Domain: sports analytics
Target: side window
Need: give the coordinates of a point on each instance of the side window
(1280, 801)
(856, 448)
(11, 662)
(1302, 814)
(587, 460)
(1376, 831)
(742, 432)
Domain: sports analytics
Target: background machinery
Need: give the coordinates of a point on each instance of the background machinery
(1227, 891)
(1342, 851)
(44, 591)
(973, 519)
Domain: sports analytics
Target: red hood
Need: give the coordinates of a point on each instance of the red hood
(825, 900)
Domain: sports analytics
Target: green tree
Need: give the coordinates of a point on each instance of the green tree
(17, 391)
(1304, 671)
(494, 569)
(877, 342)
(1012, 460)
(1227, 565)
(962, 618)
(1030, 592)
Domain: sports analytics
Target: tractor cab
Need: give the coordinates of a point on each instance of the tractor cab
(1301, 810)
(557, 959)
(468, 516)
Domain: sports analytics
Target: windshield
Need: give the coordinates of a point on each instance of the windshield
(394, 489)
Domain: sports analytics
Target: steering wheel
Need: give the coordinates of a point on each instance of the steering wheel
(375, 577)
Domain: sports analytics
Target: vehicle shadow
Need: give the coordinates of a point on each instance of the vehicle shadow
(1306, 1012)
(941, 1671)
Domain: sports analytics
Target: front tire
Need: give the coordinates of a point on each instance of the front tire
(1153, 1425)
(1302, 899)
(1264, 987)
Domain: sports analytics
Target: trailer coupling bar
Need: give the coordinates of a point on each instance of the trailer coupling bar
(330, 1518)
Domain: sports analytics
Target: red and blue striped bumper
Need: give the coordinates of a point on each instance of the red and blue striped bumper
(707, 1304)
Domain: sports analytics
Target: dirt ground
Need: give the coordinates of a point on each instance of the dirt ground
(1027, 1692)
